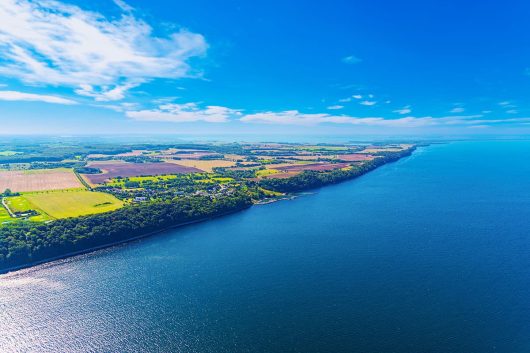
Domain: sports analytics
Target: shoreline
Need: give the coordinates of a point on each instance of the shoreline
(30, 265)
(292, 196)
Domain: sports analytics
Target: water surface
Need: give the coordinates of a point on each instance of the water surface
(429, 254)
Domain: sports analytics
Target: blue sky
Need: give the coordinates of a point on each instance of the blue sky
(200, 67)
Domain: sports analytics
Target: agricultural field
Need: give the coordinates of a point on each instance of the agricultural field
(120, 182)
(113, 170)
(37, 180)
(44, 181)
(285, 175)
(192, 155)
(314, 167)
(21, 204)
(204, 165)
(354, 157)
(4, 216)
(64, 204)
(266, 172)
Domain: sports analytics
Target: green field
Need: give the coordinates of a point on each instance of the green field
(120, 182)
(4, 216)
(72, 203)
(21, 204)
(265, 172)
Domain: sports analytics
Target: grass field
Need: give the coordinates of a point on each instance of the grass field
(39, 179)
(121, 182)
(21, 204)
(265, 172)
(72, 203)
(4, 216)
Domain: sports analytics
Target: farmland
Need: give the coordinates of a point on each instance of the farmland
(131, 190)
(204, 165)
(36, 180)
(72, 203)
(113, 170)
(21, 204)
(313, 166)
(355, 157)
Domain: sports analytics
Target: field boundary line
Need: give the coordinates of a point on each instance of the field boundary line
(83, 181)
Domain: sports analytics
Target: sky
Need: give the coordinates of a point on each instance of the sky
(291, 68)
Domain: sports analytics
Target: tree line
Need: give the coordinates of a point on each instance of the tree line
(26, 242)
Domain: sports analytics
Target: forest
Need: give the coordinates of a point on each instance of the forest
(28, 242)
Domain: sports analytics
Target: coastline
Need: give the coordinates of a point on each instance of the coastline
(291, 196)
(72, 254)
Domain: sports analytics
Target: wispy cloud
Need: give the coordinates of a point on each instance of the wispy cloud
(105, 93)
(457, 110)
(368, 103)
(123, 5)
(512, 111)
(188, 112)
(404, 110)
(294, 117)
(31, 97)
(50, 43)
(335, 107)
(351, 59)
(357, 96)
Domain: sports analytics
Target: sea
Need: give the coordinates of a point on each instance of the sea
(430, 254)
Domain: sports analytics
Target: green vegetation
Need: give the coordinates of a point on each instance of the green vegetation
(64, 204)
(265, 172)
(50, 223)
(20, 206)
(5, 217)
(313, 179)
(25, 242)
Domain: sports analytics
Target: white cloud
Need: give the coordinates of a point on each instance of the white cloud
(294, 117)
(123, 5)
(404, 110)
(457, 110)
(357, 96)
(47, 42)
(188, 112)
(22, 96)
(335, 107)
(368, 103)
(512, 111)
(504, 103)
(105, 93)
(345, 100)
(352, 59)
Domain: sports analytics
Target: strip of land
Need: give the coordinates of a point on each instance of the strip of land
(59, 204)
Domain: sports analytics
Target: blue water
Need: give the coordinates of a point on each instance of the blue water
(429, 254)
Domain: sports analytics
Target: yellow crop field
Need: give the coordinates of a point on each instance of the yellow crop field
(72, 203)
